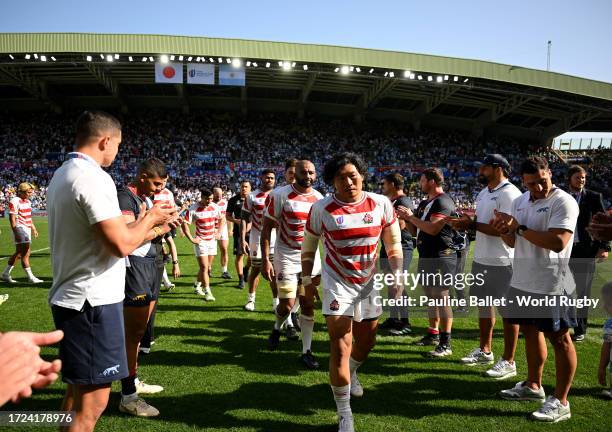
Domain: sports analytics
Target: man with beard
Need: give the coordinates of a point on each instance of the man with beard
(492, 260)
(437, 256)
(252, 216)
(351, 222)
(287, 210)
(142, 282)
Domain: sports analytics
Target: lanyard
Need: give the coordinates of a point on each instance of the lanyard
(77, 155)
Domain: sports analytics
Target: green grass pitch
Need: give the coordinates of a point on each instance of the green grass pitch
(218, 375)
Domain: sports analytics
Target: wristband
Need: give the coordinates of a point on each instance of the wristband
(306, 280)
(175, 262)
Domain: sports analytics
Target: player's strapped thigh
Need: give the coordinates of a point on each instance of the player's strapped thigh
(287, 285)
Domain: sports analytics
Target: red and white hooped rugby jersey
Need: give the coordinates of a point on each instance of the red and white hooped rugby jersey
(164, 197)
(351, 232)
(222, 204)
(289, 208)
(22, 208)
(206, 218)
(254, 204)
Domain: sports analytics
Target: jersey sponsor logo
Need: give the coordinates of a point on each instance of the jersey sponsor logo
(368, 219)
(340, 220)
(494, 198)
(113, 370)
(334, 305)
(543, 210)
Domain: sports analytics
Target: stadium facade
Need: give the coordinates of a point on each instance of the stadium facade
(66, 71)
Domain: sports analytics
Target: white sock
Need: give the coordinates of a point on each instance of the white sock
(354, 365)
(224, 269)
(296, 306)
(275, 302)
(7, 271)
(165, 278)
(198, 284)
(207, 289)
(28, 271)
(279, 321)
(307, 325)
(252, 297)
(342, 396)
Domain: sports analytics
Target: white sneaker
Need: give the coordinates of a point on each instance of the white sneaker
(250, 306)
(8, 279)
(478, 357)
(356, 387)
(208, 296)
(35, 280)
(552, 411)
(522, 392)
(501, 370)
(144, 350)
(199, 291)
(143, 388)
(604, 393)
(137, 407)
(345, 424)
(3, 298)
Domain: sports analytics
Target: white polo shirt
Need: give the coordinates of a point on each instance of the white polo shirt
(490, 250)
(80, 195)
(538, 270)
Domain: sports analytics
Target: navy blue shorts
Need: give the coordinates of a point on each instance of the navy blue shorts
(545, 311)
(496, 283)
(93, 348)
(142, 280)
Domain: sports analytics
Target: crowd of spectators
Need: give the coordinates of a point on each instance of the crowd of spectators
(222, 149)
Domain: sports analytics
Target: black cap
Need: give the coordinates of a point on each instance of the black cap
(494, 160)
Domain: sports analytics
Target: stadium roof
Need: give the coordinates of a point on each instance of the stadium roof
(421, 89)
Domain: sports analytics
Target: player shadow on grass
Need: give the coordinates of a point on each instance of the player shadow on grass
(243, 343)
(422, 398)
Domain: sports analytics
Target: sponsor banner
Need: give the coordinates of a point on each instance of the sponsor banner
(200, 73)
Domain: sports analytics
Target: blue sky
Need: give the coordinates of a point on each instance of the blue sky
(514, 32)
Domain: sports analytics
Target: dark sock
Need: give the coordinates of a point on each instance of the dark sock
(246, 273)
(128, 385)
(240, 278)
(445, 338)
(405, 321)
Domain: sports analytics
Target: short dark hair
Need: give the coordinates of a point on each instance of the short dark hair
(334, 165)
(434, 174)
(396, 179)
(95, 123)
(533, 164)
(153, 167)
(291, 163)
(205, 192)
(575, 169)
(245, 181)
(267, 171)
